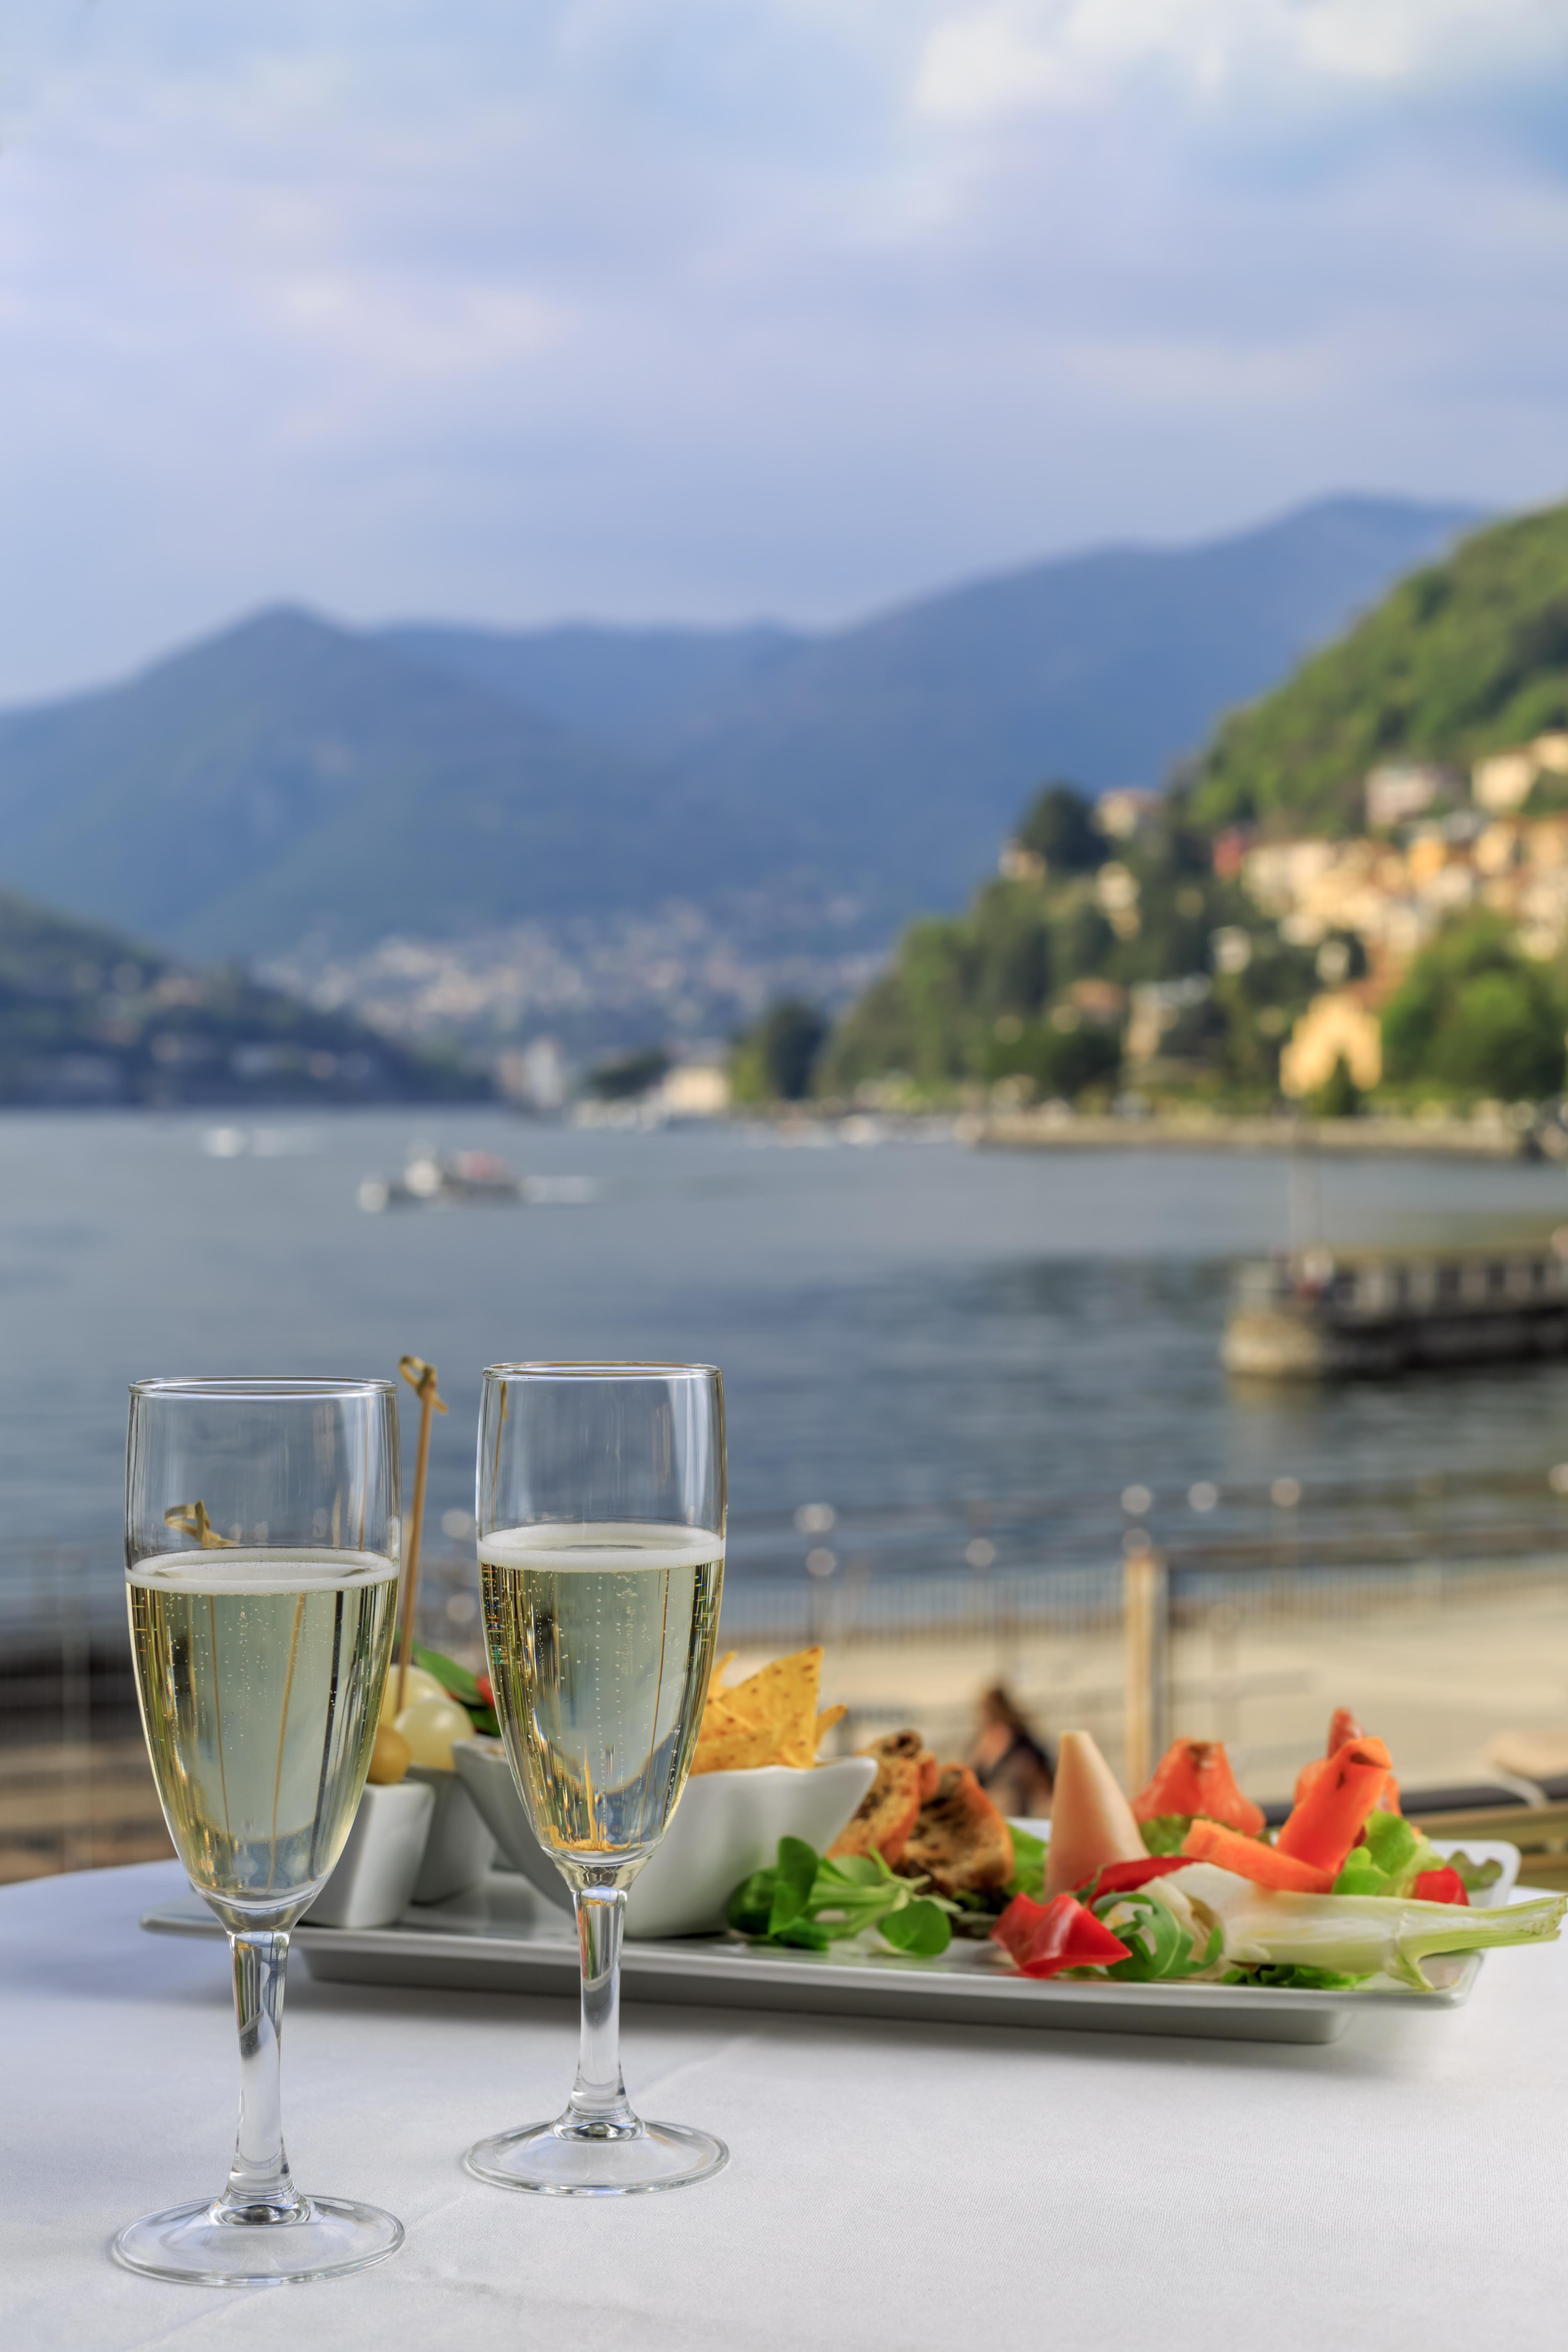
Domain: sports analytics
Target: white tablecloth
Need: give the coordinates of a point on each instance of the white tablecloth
(892, 2189)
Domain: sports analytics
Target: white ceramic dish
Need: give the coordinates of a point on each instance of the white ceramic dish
(461, 1845)
(726, 1825)
(374, 1879)
(504, 1937)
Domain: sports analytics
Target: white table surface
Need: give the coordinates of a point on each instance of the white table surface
(888, 2188)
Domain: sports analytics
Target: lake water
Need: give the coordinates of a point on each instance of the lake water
(897, 1326)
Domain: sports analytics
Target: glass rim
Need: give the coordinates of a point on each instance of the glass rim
(259, 1387)
(591, 1368)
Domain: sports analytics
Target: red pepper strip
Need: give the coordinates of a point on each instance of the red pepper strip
(1443, 1885)
(1043, 1937)
(1331, 1815)
(1123, 1877)
(483, 1685)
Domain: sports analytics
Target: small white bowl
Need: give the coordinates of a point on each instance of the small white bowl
(372, 1882)
(726, 1825)
(461, 1845)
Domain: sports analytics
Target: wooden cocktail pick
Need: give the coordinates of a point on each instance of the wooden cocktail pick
(191, 1519)
(421, 1378)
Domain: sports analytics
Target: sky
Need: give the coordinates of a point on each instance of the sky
(706, 309)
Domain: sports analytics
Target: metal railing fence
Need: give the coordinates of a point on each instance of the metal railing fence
(1435, 1604)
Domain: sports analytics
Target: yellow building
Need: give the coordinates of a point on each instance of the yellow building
(1339, 1025)
(695, 1090)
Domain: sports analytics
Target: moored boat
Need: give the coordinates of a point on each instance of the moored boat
(1336, 1313)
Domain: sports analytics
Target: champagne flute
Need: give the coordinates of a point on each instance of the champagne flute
(261, 1542)
(601, 1541)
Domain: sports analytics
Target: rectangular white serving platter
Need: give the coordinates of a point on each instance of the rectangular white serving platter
(501, 1937)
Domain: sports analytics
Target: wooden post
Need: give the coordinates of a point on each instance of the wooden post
(421, 1379)
(1144, 1597)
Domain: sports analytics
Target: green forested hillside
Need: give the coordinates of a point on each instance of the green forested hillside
(1105, 955)
(1033, 982)
(1466, 656)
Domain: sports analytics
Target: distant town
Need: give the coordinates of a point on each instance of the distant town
(1442, 843)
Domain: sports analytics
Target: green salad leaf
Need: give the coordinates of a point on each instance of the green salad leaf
(1292, 1980)
(920, 1926)
(1159, 1946)
(811, 1901)
(795, 1876)
(1163, 1833)
(1395, 1853)
(749, 1908)
(1473, 1875)
(1396, 1847)
(1029, 1866)
(1360, 1874)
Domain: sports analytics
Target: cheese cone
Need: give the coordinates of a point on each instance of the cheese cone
(1091, 1820)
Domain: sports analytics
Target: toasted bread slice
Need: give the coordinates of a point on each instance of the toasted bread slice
(906, 1769)
(960, 1841)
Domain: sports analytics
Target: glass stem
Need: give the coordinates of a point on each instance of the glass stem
(259, 2187)
(598, 2107)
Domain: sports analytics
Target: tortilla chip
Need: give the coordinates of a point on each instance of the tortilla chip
(771, 1718)
(785, 1695)
(802, 1753)
(736, 1752)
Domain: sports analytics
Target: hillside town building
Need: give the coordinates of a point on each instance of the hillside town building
(1340, 1026)
(1504, 782)
(1394, 895)
(1397, 792)
(1394, 899)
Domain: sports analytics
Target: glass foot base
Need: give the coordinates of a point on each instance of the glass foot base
(557, 2163)
(330, 2238)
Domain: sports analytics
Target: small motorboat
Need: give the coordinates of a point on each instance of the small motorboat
(432, 1179)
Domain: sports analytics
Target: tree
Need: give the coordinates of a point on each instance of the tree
(1059, 1059)
(1339, 1097)
(873, 1038)
(626, 1075)
(1058, 826)
(1474, 1013)
(776, 1060)
(1010, 968)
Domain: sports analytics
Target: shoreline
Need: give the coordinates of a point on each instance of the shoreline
(1448, 1138)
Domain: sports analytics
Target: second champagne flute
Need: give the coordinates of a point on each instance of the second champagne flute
(601, 1537)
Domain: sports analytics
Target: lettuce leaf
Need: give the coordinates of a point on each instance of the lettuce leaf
(1474, 1874)
(1360, 1874)
(1029, 1866)
(1158, 1945)
(1395, 1853)
(1293, 1979)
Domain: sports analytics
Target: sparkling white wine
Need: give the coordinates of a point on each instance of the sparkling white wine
(601, 1643)
(260, 1675)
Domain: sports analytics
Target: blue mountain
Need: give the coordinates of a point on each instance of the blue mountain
(291, 779)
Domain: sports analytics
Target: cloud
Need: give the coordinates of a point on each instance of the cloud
(709, 307)
(1222, 58)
